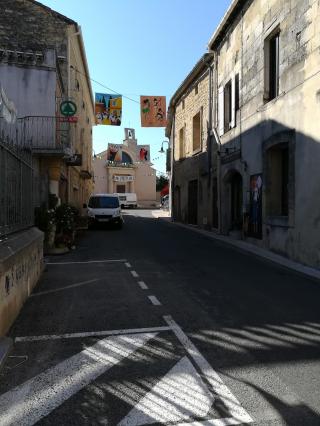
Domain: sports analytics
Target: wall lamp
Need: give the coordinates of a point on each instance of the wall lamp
(162, 151)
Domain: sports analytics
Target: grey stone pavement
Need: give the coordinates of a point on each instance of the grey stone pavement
(159, 324)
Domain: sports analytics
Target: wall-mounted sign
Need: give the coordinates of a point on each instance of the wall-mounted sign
(123, 178)
(74, 160)
(68, 108)
(68, 119)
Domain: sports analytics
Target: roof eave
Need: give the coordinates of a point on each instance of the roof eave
(225, 23)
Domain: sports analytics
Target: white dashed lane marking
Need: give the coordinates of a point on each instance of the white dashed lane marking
(143, 285)
(154, 300)
(134, 274)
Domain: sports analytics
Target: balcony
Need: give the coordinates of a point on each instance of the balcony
(43, 135)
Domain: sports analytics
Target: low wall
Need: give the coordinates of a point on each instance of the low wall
(21, 263)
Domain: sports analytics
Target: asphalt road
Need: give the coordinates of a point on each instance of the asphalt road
(156, 324)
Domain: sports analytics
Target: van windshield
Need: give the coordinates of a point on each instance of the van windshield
(103, 202)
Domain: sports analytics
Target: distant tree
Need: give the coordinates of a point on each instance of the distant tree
(162, 181)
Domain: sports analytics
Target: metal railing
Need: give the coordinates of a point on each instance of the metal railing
(16, 207)
(40, 133)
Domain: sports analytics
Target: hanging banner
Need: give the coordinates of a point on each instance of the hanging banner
(143, 153)
(108, 109)
(114, 153)
(153, 111)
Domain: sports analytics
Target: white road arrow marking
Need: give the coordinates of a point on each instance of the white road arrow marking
(28, 403)
(179, 396)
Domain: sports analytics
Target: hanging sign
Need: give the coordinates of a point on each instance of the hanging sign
(108, 109)
(68, 108)
(153, 111)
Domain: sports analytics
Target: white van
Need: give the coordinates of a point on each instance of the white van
(104, 208)
(128, 199)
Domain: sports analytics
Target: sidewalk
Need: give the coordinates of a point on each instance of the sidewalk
(250, 248)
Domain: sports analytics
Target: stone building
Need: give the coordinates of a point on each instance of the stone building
(267, 71)
(126, 168)
(265, 151)
(42, 63)
(189, 128)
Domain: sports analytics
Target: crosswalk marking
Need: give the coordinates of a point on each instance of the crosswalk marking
(178, 396)
(28, 403)
(237, 412)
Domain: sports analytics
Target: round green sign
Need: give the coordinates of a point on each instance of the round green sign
(68, 108)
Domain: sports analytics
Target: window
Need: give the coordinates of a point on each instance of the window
(196, 135)
(181, 143)
(196, 89)
(183, 104)
(237, 93)
(227, 106)
(271, 51)
(278, 180)
(103, 202)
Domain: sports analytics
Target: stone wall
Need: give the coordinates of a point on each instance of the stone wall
(294, 111)
(188, 106)
(21, 264)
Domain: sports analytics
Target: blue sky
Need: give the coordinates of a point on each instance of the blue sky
(141, 47)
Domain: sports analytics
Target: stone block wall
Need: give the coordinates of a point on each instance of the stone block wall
(21, 264)
(190, 104)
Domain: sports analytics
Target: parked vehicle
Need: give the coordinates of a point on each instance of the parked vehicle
(128, 199)
(104, 208)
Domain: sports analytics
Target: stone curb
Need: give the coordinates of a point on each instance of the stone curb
(6, 344)
(252, 249)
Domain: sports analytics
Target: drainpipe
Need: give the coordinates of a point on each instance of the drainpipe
(217, 138)
(172, 140)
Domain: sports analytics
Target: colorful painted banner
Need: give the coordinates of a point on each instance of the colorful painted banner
(114, 153)
(108, 109)
(153, 111)
(143, 153)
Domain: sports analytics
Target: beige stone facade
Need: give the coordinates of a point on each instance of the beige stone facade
(272, 135)
(190, 118)
(130, 175)
(266, 146)
(48, 64)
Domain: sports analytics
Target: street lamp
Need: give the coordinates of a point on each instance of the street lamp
(162, 151)
(169, 160)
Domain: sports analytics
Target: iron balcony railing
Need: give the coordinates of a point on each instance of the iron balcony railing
(40, 133)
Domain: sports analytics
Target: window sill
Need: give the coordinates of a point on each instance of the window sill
(281, 221)
(196, 152)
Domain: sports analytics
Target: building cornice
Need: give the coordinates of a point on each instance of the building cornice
(233, 11)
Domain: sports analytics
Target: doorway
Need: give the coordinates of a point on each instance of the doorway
(193, 202)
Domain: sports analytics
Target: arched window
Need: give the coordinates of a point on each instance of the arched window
(126, 158)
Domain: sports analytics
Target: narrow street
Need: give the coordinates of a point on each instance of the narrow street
(156, 324)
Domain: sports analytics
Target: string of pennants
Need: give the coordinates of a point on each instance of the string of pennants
(108, 110)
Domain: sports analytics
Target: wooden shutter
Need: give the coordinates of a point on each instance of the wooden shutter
(221, 111)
